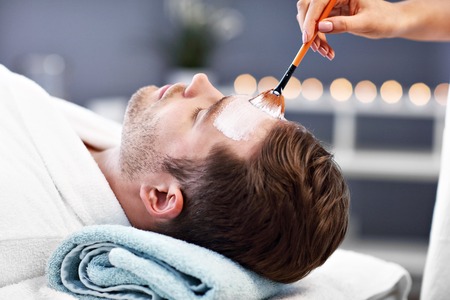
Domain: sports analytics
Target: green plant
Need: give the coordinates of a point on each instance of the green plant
(192, 46)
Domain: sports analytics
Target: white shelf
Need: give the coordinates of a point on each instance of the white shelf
(392, 165)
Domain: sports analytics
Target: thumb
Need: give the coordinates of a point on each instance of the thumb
(336, 24)
(357, 25)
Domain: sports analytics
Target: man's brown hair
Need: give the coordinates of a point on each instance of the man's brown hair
(280, 213)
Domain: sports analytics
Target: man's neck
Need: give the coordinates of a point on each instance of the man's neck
(126, 191)
(108, 162)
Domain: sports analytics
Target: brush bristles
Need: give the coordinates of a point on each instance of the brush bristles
(270, 103)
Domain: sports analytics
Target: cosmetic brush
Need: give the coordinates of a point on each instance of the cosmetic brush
(272, 101)
(301, 53)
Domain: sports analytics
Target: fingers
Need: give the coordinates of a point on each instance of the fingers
(307, 16)
(321, 46)
(370, 19)
(302, 8)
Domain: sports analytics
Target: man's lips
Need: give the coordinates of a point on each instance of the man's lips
(163, 90)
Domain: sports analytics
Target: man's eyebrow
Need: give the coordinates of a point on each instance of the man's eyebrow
(215, 108)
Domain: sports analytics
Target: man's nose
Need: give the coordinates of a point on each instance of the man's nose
(200, 85)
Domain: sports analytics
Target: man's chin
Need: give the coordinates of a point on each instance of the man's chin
(142, 98)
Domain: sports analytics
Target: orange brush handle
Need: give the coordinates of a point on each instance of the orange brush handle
(305, 47)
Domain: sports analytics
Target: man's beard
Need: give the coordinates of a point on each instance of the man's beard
(138, 154)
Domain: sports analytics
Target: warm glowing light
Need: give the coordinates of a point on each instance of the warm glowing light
(293, 89)
(267, 83)
(365, 91)
(245, 84)
(341, 89)
(419, 94)
(391, 91)
(441, 93)
(312, 89)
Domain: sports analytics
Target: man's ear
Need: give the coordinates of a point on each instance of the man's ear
(162, 203)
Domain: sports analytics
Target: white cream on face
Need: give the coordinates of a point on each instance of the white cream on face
(236, 122)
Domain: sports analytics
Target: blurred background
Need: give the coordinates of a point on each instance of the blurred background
(379, 105)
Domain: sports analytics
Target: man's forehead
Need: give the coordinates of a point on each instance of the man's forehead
(239, 120)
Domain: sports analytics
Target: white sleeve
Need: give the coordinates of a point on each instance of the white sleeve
(92, 128)
(435, 284)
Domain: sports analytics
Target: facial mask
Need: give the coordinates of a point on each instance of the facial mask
(235, 122)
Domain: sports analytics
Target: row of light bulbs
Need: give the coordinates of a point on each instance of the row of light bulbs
(342, 90)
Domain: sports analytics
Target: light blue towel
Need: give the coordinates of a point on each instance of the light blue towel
(119, 262)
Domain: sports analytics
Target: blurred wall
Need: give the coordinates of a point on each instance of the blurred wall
(109, 46)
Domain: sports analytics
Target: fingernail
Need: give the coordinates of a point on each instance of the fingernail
(314, 47)
(305, 37)
(330, 55)
(323, 51)
(325, 26)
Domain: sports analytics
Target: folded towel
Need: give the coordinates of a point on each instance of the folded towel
(119, 262)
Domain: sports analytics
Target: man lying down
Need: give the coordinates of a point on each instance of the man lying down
(192, 164)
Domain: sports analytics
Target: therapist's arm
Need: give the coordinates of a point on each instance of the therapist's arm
(424, 20)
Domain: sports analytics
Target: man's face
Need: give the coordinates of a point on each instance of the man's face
(181, 121)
